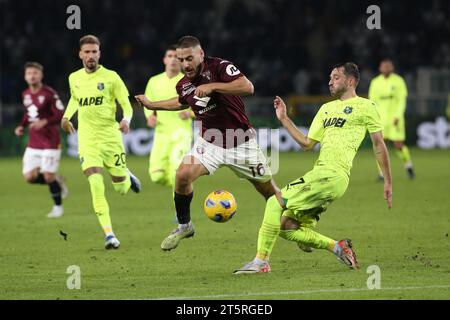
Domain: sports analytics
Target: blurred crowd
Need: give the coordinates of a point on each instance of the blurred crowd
(283, 46)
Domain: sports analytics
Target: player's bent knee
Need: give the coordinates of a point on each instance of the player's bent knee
(183, 178)
(398, 145)
(289, 224)
(29, 178)
(49, 177)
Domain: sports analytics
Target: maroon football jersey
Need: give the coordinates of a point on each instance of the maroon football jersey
(44, 104)
(219, 111)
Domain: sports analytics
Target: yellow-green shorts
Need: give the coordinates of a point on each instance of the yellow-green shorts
(307, 197)
(394, 133)
(105, 155)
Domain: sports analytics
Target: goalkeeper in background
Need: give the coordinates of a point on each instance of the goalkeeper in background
(388, 90)
(94, 91)
(173, 130)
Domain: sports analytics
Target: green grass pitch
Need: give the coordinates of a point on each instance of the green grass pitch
(409, 243)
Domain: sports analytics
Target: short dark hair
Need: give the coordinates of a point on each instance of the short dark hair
(171, 47)
(350, 70)
(89, 39)
(386, 59)
(33, 64)
(188, 42)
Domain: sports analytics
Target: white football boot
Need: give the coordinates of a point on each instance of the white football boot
(56, 212)
(111, 242)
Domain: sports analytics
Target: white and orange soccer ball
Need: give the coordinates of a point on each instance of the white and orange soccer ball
(220, 206)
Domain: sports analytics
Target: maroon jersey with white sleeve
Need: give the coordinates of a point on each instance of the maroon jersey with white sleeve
(217, 111)
(44, 104)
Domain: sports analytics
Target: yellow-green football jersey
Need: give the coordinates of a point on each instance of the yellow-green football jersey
(340, 127)
(161, 87)
(390, 95)
(94, 96)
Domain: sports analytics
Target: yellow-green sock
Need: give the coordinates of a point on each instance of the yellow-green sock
(123, 186)
(270, 228)
(308, 237)
(405, 156)
(99, 202)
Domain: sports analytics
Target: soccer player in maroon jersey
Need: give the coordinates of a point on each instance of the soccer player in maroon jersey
(43, 113)
(212, 87)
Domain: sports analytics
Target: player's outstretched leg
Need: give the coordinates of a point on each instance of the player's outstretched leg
(187, 173)
(268, 234)
(292, 231)
(55, 188)
(101, 209)
(135, 182)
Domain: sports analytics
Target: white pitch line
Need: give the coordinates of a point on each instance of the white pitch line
(281, 293)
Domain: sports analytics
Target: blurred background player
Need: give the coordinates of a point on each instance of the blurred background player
(43, 112)
(340, 126)
(213, 88)
(94, 91)
(173, 130)
(388, 90)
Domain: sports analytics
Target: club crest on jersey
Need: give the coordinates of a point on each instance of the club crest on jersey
(207, 75)
(100, 86)
(41, 99)
(348, 110)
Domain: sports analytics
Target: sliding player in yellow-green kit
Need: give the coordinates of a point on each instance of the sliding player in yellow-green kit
(94, 91)
(340, 127)
(388, 90)
(173, 130)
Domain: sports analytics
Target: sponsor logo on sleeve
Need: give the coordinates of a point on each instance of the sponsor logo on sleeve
(231, 70)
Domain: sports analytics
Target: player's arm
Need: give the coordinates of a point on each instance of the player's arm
(303, 140)
(188, 114)
(382, 156)
(150, 115)
(19, 130)
(57, 109)
(71, 109)
(401, 98)
(239, 87)
(172, 104)
(121, 94)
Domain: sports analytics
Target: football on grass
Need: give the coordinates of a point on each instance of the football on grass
(220, 206)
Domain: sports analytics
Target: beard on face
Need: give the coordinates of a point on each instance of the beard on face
(195, 71)
(339, 91)
(91, 64)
